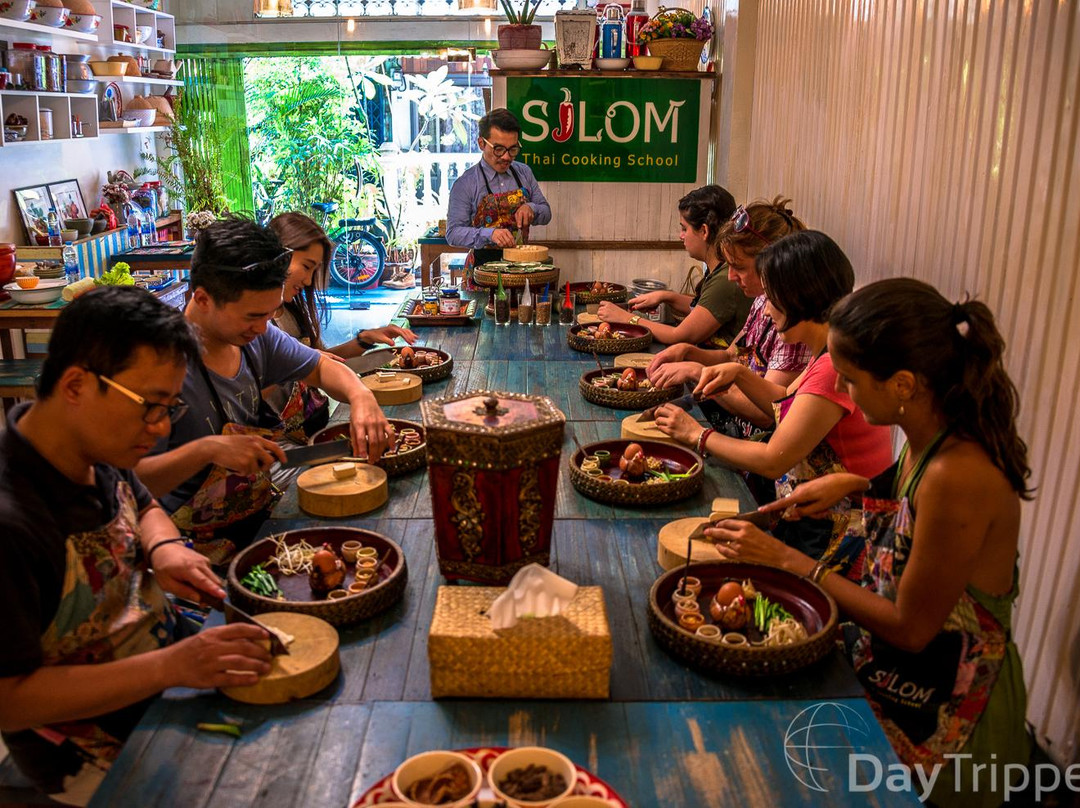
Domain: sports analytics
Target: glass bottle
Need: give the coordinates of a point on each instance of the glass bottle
(635, 21)
(566, 313)
(502, 304)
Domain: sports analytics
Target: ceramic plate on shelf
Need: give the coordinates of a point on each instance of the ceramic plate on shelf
(111, 97)
(612, 64)
(521, 59)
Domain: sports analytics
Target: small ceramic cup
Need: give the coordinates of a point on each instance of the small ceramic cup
(601, 454)
(733, 638)
(366, 564)
(708, 632)
(689, 584)
(349, 550)
(367, 552)
(678, 596)
(683, 607)
(692, 621)
(605, 478)
(337, 594)
(363, 577)
(593, 472)
(590, 459)
(356, 587)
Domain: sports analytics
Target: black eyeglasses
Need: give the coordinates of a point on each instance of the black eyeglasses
(281, 262)
(740, 222)
(500, 151)
(153, 412)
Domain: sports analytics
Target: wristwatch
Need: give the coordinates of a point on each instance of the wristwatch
(634, 319)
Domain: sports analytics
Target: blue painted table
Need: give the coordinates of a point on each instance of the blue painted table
(668, 736)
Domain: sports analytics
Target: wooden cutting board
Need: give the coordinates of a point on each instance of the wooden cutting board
(401, 388)
(634, 360)
(311, 664)
(671, 544)
(320, 493)
(632, 430)
(585, 318)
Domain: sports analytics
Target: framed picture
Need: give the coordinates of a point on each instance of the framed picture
(68, 200)
(34, 205)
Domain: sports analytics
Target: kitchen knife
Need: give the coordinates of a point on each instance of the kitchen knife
(372, 360)
(235, 615)
(765, 521)
(687, 403)
(317, 453)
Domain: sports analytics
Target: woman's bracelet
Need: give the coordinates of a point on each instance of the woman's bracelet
(702, 438)
(820, 572)
(362, 342)
(150, 552)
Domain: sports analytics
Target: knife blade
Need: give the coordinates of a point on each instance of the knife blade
(234, 614)
(687, 403)
(372, 360)
(316, 453)
(765, 521)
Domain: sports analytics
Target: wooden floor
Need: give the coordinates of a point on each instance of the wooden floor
(668, 736)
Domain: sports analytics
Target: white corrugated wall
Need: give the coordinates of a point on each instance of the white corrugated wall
(940, 140)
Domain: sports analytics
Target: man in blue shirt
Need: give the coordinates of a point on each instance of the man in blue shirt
(497, 198)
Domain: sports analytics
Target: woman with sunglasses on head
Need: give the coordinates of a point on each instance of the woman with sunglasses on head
(818, 429)
(932, 615)
(304, 313)
(716, 311)
(750, 230)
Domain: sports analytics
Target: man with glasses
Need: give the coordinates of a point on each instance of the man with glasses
(493, 204)
(213, 471)
(87, 553)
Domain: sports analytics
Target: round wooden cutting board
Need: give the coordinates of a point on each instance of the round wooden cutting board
(311, 664)
(634, 360)
(401, 388)
(585, 318)
(671, 545)
(320, 493)
(632, 430)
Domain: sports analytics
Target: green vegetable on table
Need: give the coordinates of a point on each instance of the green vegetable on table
(261, 582)
(119, 275)
(765, 611)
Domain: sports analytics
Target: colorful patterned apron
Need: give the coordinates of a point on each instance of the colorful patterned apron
(229, 508)
(927, 702)
(109, 609)
(496, 211)
(306, 410)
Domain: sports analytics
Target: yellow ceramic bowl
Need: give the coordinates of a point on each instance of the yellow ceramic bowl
(648, 62)
(109, 68)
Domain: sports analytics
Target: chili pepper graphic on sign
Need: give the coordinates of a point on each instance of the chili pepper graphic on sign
(566, 119)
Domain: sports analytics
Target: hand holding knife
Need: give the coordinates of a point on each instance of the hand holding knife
(686, 402)
(236, 615)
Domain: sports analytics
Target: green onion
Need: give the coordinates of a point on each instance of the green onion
(224, 729)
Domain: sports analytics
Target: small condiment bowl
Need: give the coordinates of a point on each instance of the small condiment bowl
(366, 563)
(356, 587)
(689, 584)
(692, 621)
(349, 550)
(605, 478)
(512, 759)
(678, 596)
(708, 632)
(733, 638)
(687, 607)
(336, 594)
(427, 764)
(591, 459)
(367, 552)
(593, 471)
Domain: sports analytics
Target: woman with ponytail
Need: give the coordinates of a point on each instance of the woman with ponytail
(931, 635)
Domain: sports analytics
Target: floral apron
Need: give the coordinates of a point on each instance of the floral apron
(496, 211)
(229, 508)
(109, 609)
(927, 702)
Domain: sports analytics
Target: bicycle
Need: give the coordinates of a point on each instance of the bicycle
(359, 257)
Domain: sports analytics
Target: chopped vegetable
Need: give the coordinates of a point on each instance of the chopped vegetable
(259, 581)
(224, 729)
(765, 612)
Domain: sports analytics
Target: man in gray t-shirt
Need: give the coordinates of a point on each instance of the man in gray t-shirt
(237, 272)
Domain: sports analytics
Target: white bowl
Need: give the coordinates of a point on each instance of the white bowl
(83, 23)
(18, 10)
(142, 117)
(612, 64)
(427, 764)
(511, 759)
(52, 17)
(143, 33)
(45, 292)
(521, 59)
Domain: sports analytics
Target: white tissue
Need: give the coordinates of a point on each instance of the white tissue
(534, 591)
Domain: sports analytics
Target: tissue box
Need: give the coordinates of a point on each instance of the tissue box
(563, 657)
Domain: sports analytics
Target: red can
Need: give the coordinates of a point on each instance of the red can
(7, 263)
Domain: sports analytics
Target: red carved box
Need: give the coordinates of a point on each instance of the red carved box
(493, 467)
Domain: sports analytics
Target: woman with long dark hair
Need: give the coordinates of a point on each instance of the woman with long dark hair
(931, 636)
(717, 310)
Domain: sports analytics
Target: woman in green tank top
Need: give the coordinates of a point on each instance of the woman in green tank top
(930, 637)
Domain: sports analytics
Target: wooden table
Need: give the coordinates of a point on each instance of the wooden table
(668, 736)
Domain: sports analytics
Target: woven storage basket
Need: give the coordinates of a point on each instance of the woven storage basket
(394, 465)
(537, 280)
(624, 399)
(429, 373)
(343, 612)
(608, 346)
(563, 657)
(618, 294)
(158, 103)
(678, 54)
(744, 660)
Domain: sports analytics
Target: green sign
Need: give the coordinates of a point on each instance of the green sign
(607, 130)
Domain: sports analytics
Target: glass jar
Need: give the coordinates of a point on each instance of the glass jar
(26, 61)
(54, 70)
(450, 302)
(431, 303)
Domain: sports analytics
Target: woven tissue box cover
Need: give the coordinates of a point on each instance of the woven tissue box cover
(563, 657)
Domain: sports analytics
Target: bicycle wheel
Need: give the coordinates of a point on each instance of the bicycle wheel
(358, 259)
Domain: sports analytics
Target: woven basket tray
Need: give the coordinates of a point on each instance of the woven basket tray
(392, 575)
(394, 465)
(616, 293)
(624, 399)
(617, 493)
(428, 373)
(678, 54)
(637, 338)
(537, 279)
(804, 599)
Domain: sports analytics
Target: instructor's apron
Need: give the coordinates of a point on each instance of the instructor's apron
(495, 211)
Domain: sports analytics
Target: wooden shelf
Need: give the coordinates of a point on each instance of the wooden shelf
(141, 9)
(28, 93)
(151, 80)
(701, 75)
(133, 130)
(131, 46)
(46, 30)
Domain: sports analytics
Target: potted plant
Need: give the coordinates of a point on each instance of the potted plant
(676, 35)
(519, 33)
